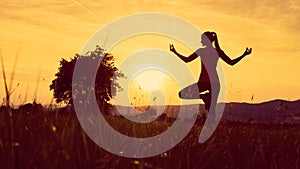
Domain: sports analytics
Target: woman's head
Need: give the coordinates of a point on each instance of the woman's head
(207, 38)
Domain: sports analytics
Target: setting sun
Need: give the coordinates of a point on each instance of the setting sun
(150, 79)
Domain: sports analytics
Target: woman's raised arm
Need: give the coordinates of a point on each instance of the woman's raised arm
(185, 59)
(224, 56)
(232, 62)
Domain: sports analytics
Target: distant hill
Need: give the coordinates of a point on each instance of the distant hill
(275, 111)
(272, 111)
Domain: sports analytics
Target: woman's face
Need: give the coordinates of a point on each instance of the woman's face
(205, 40)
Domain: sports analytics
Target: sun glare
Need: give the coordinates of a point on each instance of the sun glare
(150, 79)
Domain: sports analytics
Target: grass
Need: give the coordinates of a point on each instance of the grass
(54, 139)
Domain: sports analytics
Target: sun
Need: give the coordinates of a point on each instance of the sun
(150, 79)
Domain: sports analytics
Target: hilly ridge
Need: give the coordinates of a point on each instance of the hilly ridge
(275, 111)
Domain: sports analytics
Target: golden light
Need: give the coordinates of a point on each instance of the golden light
(150, 80)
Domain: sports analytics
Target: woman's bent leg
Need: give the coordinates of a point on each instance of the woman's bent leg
(193, 91)
(190, 92)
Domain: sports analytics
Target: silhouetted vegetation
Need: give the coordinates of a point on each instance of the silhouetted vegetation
(54, 139)
(105, 82)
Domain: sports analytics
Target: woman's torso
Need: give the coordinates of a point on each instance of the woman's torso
(209, 59)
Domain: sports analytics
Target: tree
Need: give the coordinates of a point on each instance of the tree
(105, 82)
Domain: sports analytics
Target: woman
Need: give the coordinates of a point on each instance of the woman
(208, 77)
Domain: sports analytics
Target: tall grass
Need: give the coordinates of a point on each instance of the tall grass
(9, 91)
(55, 139)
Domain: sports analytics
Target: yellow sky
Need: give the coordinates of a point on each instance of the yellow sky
(43, 32)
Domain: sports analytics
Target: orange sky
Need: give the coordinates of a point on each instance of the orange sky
(43, 32)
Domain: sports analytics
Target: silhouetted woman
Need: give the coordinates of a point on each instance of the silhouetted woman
(208, 77)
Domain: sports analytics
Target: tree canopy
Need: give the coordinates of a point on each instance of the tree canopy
(107, 75)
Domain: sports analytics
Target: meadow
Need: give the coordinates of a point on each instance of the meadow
(52, 138)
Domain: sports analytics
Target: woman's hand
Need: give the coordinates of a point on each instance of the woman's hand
(172, 48)
(247, 51)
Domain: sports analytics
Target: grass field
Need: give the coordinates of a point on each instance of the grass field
(40, 138)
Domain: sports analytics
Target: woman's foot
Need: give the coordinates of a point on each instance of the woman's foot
(206, 99)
